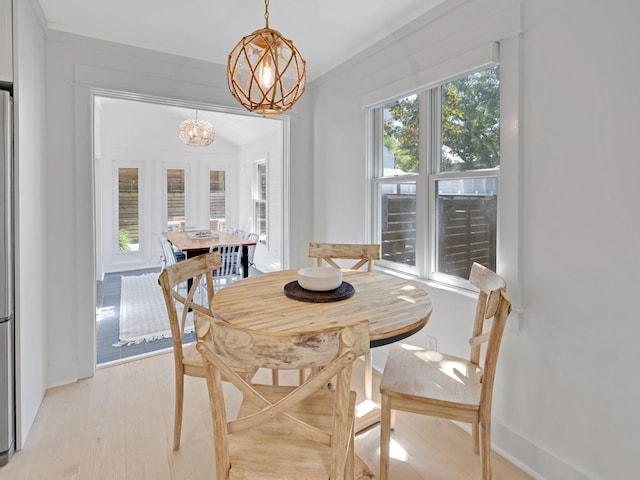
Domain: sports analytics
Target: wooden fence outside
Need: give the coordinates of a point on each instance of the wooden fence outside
(129, 207)
(467, 225)
(129, 215)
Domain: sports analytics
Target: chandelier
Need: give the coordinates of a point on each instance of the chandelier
(265, 72)
(196, 132)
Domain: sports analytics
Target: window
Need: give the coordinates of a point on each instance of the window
(217, 198)
(260, 200)
(175, 199)
(437, 159)
(128, 210)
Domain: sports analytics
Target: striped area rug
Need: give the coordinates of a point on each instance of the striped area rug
(143, 314)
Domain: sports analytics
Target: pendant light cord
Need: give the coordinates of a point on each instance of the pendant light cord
(266, 13)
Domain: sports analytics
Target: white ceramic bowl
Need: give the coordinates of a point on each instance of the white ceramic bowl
(319, 279)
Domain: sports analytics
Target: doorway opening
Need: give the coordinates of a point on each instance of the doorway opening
(148, 182)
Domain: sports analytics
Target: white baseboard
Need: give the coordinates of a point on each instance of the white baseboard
(531, 458)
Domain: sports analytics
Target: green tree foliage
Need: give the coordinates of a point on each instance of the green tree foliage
(123, 240)
(401, 133)
(470, 125)
(471, 121)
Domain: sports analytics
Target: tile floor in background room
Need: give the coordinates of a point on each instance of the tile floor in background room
(108, 321)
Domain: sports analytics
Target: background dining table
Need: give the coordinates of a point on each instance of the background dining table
(192, 246)
(394, 307)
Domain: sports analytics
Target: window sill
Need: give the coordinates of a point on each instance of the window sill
(466, 292)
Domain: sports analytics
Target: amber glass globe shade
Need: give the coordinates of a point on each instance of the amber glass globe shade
(266, 73)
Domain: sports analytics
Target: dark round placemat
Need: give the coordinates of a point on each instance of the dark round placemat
(295, 291)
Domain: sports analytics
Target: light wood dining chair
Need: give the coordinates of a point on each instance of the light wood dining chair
(365, 254)
(284, 432)
(440, 385)
(187, 360)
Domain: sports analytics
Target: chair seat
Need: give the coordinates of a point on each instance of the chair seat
(418, 374)
(192, 358)
(260, 453)
(193, 363)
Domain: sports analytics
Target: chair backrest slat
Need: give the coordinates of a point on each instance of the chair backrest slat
(168, 254)
(249, 348)
(177, 304)
(364, 253)
(230, 254)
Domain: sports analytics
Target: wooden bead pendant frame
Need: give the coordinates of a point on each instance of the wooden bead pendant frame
(265, 71)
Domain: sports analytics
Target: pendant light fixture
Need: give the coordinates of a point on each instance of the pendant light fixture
(198, 133)
(265, 72)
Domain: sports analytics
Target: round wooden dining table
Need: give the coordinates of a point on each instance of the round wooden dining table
(395, 309)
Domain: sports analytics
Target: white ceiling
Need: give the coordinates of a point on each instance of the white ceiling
(152, 119)
(326, 32)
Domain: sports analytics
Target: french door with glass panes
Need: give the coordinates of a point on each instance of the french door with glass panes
(195, 203)
(143, 199)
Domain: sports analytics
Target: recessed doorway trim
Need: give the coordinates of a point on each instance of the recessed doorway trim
(94, 93)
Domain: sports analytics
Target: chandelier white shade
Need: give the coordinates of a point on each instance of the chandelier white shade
(199, 133)
(265, 72)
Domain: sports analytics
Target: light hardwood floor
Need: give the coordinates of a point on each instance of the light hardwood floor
(118, 425)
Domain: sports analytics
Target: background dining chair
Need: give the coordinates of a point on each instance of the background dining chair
(365, 254)
(169, 255)
(187, 360)
(251, 249)
(229, 271)
(284, 432)
(440, 385)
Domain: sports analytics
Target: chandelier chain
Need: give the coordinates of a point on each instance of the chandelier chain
(266, 13)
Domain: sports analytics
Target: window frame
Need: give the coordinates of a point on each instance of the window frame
(115, 177)
(255, 200)
(212, 168)
(185, 174)
(428, 176)
(433, 105)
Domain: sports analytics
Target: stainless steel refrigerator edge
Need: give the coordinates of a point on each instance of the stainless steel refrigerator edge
(7, 399)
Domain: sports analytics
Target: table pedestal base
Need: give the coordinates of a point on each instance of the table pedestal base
(367, 415)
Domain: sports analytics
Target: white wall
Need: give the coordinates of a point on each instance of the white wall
(31, 215)
(566, 390)
(75, 66)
